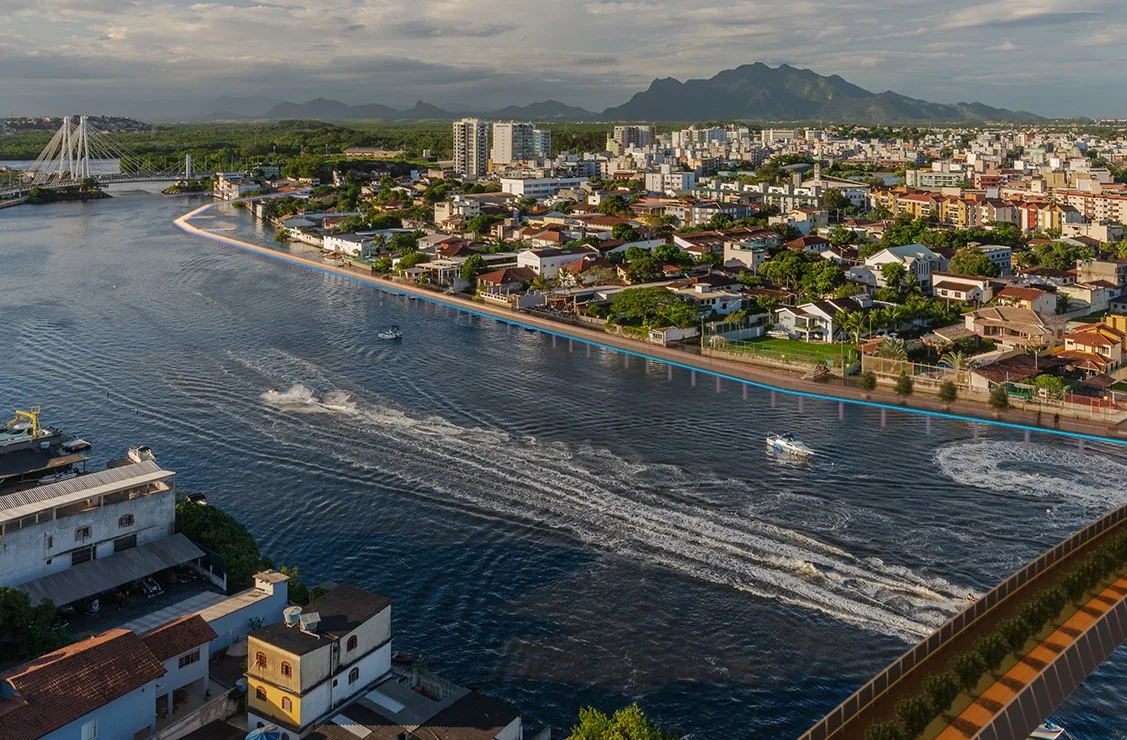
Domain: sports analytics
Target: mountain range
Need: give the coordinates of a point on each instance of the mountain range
(752, 92)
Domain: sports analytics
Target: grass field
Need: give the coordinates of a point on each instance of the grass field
(788, 349)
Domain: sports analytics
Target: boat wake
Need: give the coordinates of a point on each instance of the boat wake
(1095, 479)
(653, 513)
(298, 399)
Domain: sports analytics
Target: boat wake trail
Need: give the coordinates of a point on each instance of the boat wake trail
(650, 512)
(298, 399)
(1093, 479)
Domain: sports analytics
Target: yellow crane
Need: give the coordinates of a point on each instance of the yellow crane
(31, 416)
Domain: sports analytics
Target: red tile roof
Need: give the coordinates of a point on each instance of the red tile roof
(67, 684)
(178, 636)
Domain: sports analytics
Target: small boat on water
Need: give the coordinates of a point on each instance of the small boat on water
(392, 332)
(787, 442)
(1050, 731)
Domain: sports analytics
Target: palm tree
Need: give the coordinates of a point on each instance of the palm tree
(955, 360)
(892, 349)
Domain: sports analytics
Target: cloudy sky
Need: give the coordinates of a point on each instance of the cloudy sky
(170, 57)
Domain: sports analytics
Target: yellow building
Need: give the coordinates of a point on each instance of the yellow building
(299, 669)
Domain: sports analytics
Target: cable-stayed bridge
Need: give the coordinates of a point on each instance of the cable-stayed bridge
(74, 154)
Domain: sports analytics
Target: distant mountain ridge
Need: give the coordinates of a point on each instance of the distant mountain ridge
(753, 92)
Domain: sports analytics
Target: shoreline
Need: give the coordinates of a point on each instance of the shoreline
(750, 375)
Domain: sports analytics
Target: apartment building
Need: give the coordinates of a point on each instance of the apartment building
(638, 136)
(302, 669)
(471, 147)
(518, 142)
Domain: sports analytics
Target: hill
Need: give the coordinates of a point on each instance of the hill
(784, 93)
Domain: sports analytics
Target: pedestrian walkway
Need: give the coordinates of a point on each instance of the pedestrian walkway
(1006, 689)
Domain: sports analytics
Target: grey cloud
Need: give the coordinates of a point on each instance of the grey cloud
(430, 29)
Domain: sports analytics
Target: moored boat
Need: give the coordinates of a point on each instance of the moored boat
(1049, 731)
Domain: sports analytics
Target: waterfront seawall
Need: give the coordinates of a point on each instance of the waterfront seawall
(968, 411)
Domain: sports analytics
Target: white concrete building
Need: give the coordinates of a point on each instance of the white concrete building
(111, 527)
(518, 142)
(548, 261)
(544, 187)
(666, 180)
(350, 244)
(471, 147)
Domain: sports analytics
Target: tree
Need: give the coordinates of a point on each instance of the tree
(786, 268)
(955, 360)
(883, 731)
(1052, 384)
(914, 715)
(971, 261)
(999, 398)
(822, 278)
(991, 650)
(940, 690)
(612, 205)
(948, 391)
(472, 267)
(482, 224)
(1064, 303)
(217, 530)
(967, 668)
(626, 232)
(867, 381)
(298, 592)
(412, 259)
(1015, 631)
(644, 269)
(904, 385)
(625, 724)
(671, 254)
(382, 266)
(840, 236)
(27, 631)
(720, 221)
(892, 349)
(836, 202)
(894, 275)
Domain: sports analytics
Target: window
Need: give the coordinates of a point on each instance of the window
(81, 533)
(125, 521)
(260, 660)
(351, 643)
(287, 671)
(287, 705)
(260, 693)
(125, 543)
(354, 675)
(192, 657)
(50, 542)
(90, 730)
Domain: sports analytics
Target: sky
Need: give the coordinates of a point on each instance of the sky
(173, 58)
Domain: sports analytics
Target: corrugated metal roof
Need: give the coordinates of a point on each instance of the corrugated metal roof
(22, 503)
(96, 576)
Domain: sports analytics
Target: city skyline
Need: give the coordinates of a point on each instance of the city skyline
(170, 57)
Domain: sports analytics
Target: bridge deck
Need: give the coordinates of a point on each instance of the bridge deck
(1002, 693)
(910, 683)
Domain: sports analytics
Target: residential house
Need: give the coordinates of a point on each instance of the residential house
(999, 254)
(183, 647)
(547, 261)
(1013, 327)
(506, 281)
(1033, 299)
(1018, 368)
(917, 260)
(965, 288)
(351, 244)
(300, 670)
(811, 244)
(101, 688)
(816, 321)
(1093, 348)
(748, 253)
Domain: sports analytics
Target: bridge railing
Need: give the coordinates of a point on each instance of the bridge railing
(887, 678)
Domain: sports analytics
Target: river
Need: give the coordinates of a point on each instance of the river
(557, 529)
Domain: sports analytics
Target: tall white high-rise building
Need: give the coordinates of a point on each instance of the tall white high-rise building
(541, 143)
(471, 147)
(512, 142)
(639, 136)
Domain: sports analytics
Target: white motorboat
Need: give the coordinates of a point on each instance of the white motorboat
(787, 442)
(392, 332)
(1050, 731)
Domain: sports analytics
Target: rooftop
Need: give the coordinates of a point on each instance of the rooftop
(33, 500)
(60, 687)
(178, 636)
